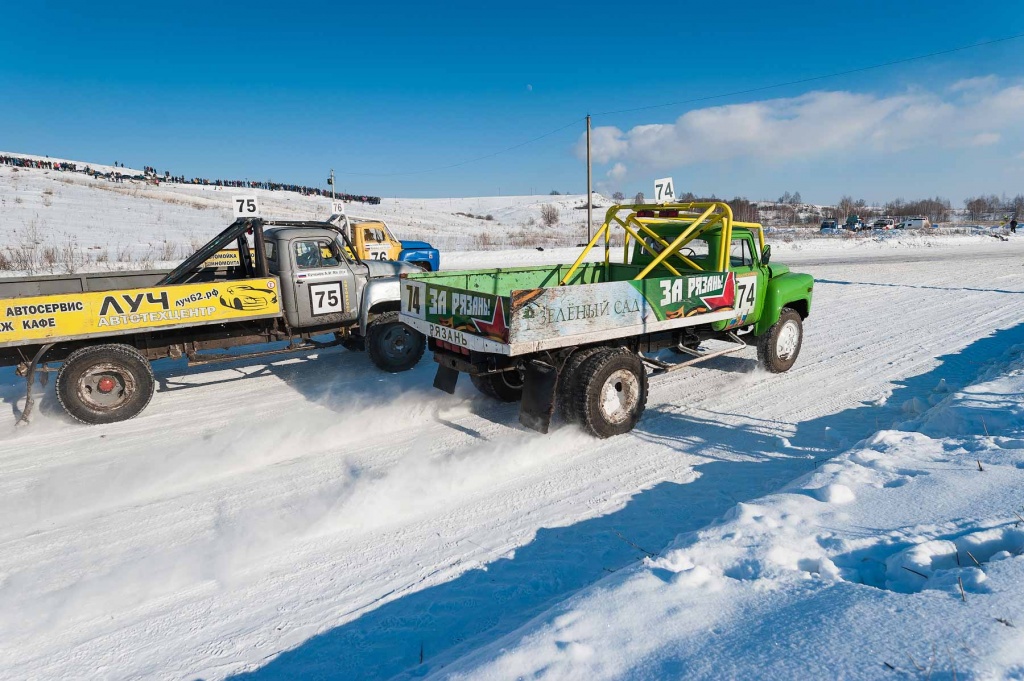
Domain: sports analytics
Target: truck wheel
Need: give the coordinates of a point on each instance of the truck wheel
(777, 349)
(567, 380)
(611, 392)
(105, 383)
(392, 345)
(505, 386)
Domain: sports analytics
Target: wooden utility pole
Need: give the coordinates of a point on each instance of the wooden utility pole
(590, 191)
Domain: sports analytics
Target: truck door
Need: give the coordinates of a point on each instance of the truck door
(750, 280)
(322, 282)
(376, 241)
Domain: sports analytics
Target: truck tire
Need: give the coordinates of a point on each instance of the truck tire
(105, 383)
(778, 348)
(611, 392)
(504, 386)
(392, 345)
(567, 379)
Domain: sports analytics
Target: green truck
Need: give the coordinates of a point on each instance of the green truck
(580, 337)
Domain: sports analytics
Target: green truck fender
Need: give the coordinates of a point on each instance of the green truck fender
(785, 290)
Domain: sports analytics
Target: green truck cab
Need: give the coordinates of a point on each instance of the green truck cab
(579, 337)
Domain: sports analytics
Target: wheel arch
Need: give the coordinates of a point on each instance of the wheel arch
(789, 290)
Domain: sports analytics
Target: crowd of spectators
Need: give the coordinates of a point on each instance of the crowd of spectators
(19, 162)
(150, 174)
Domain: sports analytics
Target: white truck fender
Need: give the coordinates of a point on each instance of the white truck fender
(376, 291)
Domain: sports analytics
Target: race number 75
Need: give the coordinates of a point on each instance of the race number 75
(246, 207)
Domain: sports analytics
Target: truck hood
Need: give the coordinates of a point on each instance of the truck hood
(778, 270)
(406, 245)
(388, 268)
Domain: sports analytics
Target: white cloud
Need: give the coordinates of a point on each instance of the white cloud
(985, 139)
(816, 125)
(976, 83)
(617, 172)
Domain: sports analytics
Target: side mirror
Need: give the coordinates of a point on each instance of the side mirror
(766, 254)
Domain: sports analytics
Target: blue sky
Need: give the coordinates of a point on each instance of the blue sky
(286, 91)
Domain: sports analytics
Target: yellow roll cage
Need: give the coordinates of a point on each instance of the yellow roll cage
(696, 216)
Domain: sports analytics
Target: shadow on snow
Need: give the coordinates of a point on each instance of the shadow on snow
(420, 632)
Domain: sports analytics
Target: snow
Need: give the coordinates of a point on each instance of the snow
(309, 517)
(901, 555)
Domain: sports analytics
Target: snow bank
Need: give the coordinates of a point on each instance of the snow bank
(900, 557)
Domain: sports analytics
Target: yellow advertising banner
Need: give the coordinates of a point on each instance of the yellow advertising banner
(74, 315)
(226, 258)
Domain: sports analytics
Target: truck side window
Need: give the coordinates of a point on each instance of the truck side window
(271, 250)
(307, 255)
(329, 256)
(739, 254)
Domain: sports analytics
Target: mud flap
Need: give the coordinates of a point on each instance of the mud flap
(445, 379)
(538, 400)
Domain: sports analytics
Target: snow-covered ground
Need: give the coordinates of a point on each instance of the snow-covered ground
(310, 517)
(900, 558)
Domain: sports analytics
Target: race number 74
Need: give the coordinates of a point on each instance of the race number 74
(413, 303)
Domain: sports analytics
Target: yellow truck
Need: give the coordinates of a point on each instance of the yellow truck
(296, 282)
(371, 240)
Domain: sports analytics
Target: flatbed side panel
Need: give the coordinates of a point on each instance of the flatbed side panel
(457, 316)
(544, 318)
(73, 316)
(541, 314)
(48, 285)
(516, 349)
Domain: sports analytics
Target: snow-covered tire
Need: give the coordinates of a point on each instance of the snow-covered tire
(778, 348)
(105, 383)
(392, 345)
(611, 392)
(567, 379)
(505, 386)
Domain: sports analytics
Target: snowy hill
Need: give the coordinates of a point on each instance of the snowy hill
(142, 222)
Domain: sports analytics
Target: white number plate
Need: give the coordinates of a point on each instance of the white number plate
(246, 207)
(664, 190)
(325, 298)
(746, 293)
(414, 301)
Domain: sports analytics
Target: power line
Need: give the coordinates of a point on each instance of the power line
(472, 160)
(813, 78)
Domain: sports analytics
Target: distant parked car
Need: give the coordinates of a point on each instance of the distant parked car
(829, 226)
(853, 223)
(884, 223)
(915, 223)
